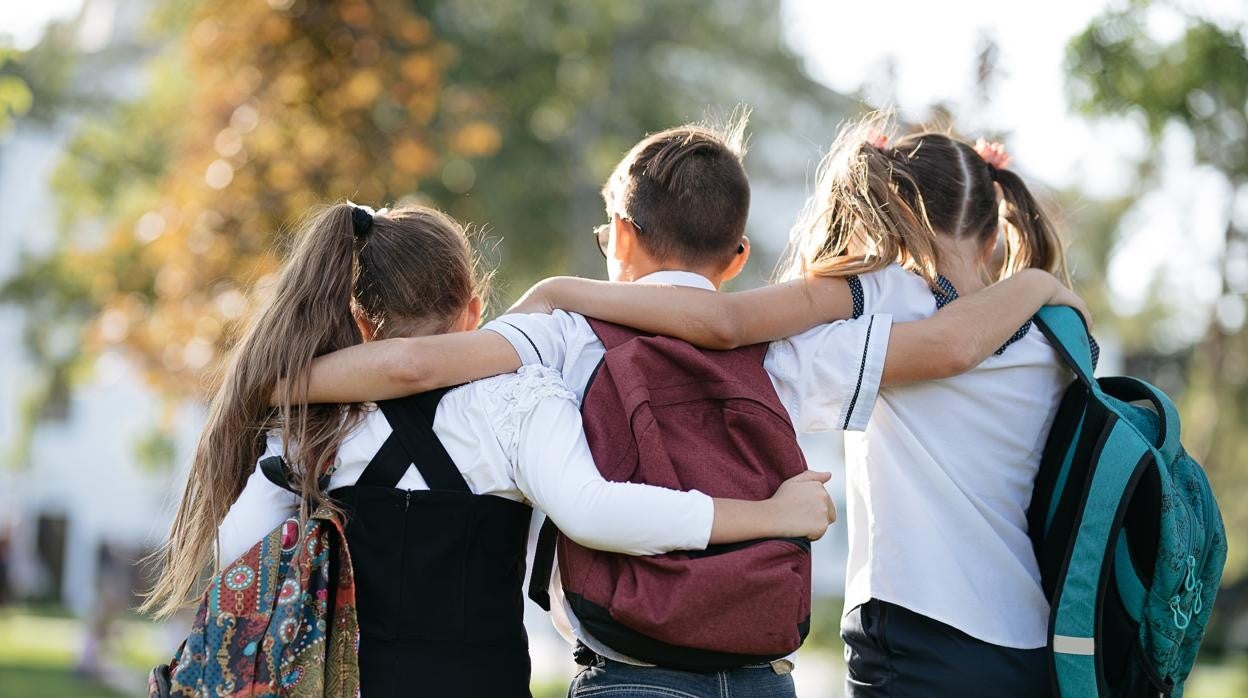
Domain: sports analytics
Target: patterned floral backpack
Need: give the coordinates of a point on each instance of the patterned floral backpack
(280, 620)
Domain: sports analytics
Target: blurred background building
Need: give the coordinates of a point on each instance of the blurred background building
(152, 152)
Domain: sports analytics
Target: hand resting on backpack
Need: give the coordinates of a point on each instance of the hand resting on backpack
(800, 508)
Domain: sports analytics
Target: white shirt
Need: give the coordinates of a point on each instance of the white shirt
(939, 484)
(516, 436)
(827, 378)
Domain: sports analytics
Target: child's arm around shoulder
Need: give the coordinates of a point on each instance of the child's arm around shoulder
(704, 318)
(391, 368)
(964, 333)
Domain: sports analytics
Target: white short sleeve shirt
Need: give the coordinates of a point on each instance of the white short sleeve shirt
(939, 484)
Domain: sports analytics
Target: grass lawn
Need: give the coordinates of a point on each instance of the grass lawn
(47, 681)
(37, 655)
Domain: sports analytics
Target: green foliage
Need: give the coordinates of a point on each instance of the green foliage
(507, 114)
(35, 84)
(1197, 82)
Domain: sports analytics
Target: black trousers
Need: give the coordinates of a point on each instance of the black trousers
(895, 652)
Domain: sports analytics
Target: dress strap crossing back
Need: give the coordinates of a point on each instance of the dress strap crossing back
(413, 442)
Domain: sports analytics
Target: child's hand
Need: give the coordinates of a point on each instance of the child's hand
(539, 299)
(802, 506)
(1062, 295)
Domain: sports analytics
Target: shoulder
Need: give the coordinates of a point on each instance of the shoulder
(541, 338)
(557, 322)
(502, 404)
(898, 292)
(520, 391)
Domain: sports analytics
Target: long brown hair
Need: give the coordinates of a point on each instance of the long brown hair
(411, 271)
(877, 204)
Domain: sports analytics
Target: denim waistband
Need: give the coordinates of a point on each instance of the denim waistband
(585, 656)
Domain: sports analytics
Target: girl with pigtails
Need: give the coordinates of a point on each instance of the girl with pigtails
(943, 592)
(435, 488)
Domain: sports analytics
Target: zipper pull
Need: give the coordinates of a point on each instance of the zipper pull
(407, 500)
(1181, 619)
(1189, 581)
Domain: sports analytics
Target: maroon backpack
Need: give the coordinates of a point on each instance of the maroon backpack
(661, 412)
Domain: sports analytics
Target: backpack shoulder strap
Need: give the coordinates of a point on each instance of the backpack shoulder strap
(1131, 389)
(543, 564)
(1066, 331)
(411, 418)
(610, 334)
(275, 471)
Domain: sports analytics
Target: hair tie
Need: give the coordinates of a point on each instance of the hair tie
(993, 154)
(361, 220)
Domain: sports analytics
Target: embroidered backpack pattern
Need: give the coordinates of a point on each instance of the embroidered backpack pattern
(280, 620)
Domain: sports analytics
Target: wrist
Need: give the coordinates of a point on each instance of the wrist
(771, 514)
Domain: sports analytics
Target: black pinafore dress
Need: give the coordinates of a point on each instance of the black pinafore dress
(438, 572)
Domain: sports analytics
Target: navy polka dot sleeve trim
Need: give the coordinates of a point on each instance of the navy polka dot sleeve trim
(945, 294)
(855, 292)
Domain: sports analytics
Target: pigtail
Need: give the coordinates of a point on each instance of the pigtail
(866, 212)
(308, 314)
(1031, 241)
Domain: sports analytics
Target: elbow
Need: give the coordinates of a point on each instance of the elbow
(722, 332)
(961, 355)
(407, 373)
(584, 534)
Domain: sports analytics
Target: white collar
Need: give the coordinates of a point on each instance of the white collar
(678, 278)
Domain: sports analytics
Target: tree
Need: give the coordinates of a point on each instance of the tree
(1197, 82)
(508, 114)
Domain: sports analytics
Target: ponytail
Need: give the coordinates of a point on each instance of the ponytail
(877, 204)
(866, 213)
(309, 314)
(1031, 242)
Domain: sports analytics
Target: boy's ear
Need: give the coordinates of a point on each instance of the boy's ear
(739, 258)
(623, 239)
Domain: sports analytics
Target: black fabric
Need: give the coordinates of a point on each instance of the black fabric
(1070, 413)
(1055, 545)
(1115, 644)
(388, 465)
(543, 564)
(895, 652)
(438, 572)
(361, 221)
(275, 471)
(412, 420)
(599, 623)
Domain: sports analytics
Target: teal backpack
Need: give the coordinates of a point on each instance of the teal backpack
(1129, 539)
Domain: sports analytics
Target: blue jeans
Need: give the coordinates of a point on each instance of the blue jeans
(609, 679)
